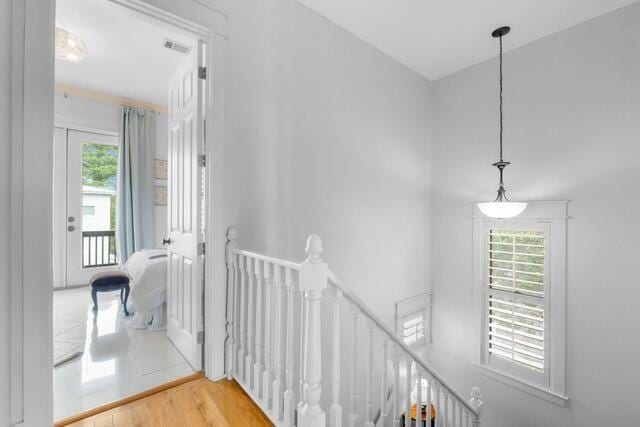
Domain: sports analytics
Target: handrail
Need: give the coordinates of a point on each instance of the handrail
(285, 262)
(333, 279)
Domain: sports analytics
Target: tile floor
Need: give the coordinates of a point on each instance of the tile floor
(117, 361)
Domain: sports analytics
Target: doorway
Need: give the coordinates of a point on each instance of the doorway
(85, 170)
(32, 123)
(127, 158)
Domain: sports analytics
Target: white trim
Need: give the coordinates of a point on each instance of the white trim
(533, 389)
(421, 302)
(216, 227)
(552, 216)
(66, 122)
(32, 122)
(31, 211)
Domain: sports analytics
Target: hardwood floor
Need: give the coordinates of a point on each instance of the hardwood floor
(193, 404)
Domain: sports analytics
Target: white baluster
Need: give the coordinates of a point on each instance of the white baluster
(437, 387)
(383, 382)
(429, 399)
(454, 411)
(266, 375)
(369, 376)
(353, 417)
(407, 402)
(445, 412)
(303, 313)
(335, 413)
(419, 373)
(396, 387)
(476, 403)
(277, 351)
(258, 366)
(250, 325)
(237, 367)
(313, 280)
(289, 395)
(242, 319)
(230, 343)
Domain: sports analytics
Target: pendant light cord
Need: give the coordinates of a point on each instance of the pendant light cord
(501, 99)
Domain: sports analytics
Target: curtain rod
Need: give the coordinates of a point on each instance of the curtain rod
(112, 99)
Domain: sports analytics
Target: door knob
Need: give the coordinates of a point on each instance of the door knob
(71, 228)
(71, 219)
(166, 241)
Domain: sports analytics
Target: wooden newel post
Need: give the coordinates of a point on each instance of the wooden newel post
(313, 281)
(476, 403)
(230, 342)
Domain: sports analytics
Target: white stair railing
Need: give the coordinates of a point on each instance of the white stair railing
(275, 342)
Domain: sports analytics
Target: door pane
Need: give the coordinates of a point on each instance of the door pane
(99, 175)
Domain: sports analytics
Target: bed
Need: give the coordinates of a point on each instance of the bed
(147, 270)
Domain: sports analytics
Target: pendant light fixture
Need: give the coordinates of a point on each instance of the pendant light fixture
(501, 207)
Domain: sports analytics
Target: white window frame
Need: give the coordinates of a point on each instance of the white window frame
(412, 307)
(550, 217)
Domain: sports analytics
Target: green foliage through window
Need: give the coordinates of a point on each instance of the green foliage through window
(100, 169)
(99, 165)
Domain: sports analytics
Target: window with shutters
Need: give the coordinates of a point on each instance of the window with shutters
(515, 299)
(519, 281)
(413, 318)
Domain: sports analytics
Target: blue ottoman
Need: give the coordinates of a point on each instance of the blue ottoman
(108, 281)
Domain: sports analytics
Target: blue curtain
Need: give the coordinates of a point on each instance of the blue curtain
(134, 213)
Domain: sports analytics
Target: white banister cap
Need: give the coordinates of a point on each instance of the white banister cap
(314, 247)
(232, 233)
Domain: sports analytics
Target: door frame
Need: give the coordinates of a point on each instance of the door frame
(32, 124)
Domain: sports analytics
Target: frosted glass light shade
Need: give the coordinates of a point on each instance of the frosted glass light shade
(502, 209)
(69, 47)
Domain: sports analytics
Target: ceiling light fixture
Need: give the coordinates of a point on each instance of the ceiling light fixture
(501, 207)
(69, 47)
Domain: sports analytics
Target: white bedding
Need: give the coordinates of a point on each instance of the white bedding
(147, 270)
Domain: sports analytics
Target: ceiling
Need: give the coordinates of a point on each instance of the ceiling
(439, 37)
(125, 53)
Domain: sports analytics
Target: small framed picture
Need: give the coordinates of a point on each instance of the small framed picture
(160, 171)
(160, 196)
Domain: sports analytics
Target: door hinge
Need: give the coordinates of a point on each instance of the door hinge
(201, 248)
(202, 160)
(202, 72)
(200, 337)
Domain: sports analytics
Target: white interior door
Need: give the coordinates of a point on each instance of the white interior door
(185, 263)
(90, 234)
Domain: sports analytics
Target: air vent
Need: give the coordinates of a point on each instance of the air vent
(178, 47)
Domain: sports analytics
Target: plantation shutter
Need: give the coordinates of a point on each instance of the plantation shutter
(516, 296)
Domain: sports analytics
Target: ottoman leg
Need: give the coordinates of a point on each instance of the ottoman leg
(94, 297)
(126, 298)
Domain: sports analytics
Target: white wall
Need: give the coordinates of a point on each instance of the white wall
(100, 220)
(572, 132)
(5, 207)
(87, 114)
(327, 135)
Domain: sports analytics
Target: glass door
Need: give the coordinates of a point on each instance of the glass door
(92, 170)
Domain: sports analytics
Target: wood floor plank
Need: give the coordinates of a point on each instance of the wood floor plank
(158, 412)
(206, 405)
(139, 414)
(104, 422)
(227, 407)
(196, 416)
(249, 410)
(198, 403)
